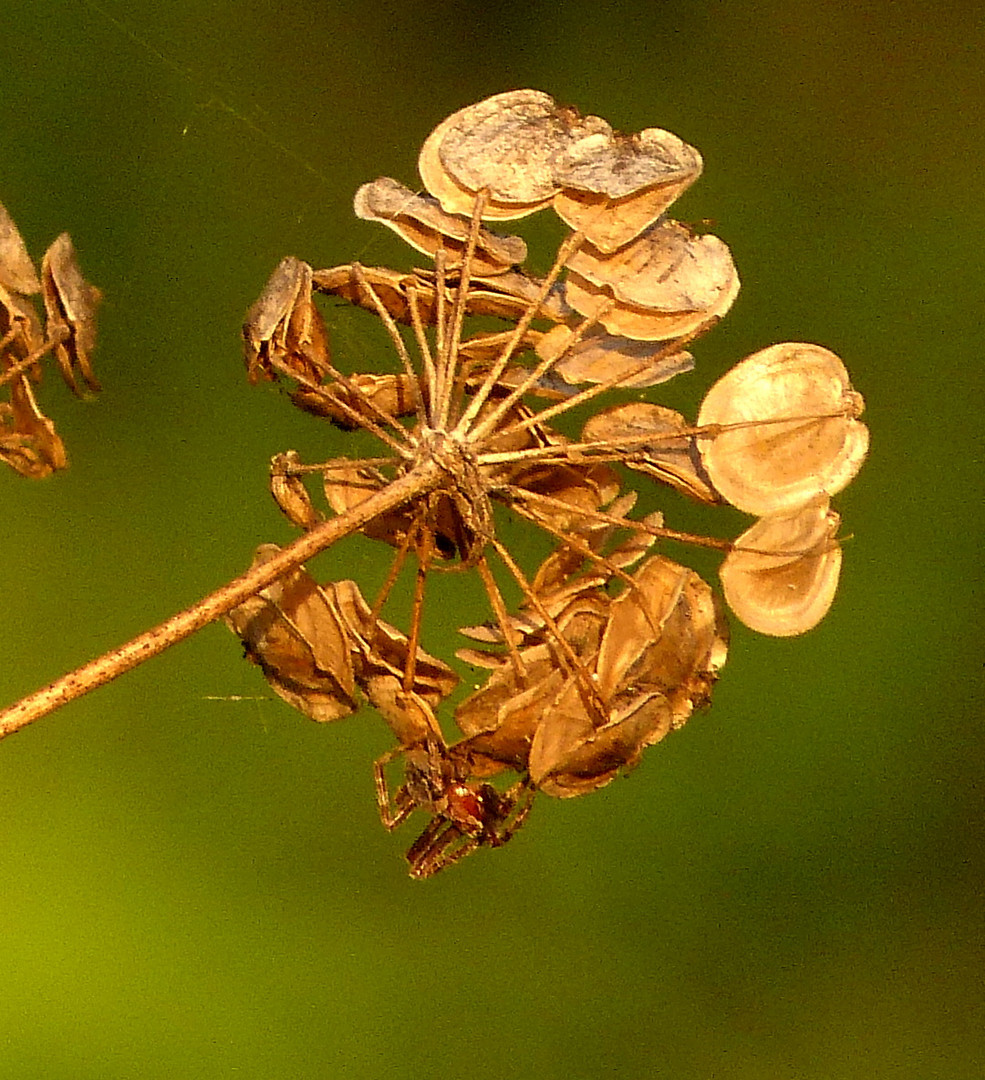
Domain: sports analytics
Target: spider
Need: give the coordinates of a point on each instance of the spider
(467, 814)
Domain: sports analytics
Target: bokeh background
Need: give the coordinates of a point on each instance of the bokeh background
(193, 879)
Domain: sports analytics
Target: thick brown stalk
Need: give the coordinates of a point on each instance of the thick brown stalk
(423, 477)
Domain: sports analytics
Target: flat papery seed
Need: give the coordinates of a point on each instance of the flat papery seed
(504, 144)
(395, 395)
(765, 468)
(658, 448)
(617, 165)
(571, 757)
(276, 301)
(17, 272)
(420, 221)
(783, 575)
(508, 296)
(294, 632)
(599, 356)
(668, 269)
(391, 286)
(641, 324)
(614, 189)
(70, 303)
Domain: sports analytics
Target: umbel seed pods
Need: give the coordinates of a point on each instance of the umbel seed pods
(613, 644)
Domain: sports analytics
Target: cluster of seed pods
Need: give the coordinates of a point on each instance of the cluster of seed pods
(29, 443)
(614, 644)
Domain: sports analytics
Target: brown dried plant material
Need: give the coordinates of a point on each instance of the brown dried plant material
(346, 406)
(317, 643)
(663, 645)
(654, 440)
(652, 656)
(70, 302)
(293, 630)
(289, 491)
(762, 462)
(284, 326)
(420, 221)
(505, 144)
(17, 273)
(617, 185)
(29, 442)
(391, 287)
(783, 574)
(666, 284)
(597, 357)
(611, 647)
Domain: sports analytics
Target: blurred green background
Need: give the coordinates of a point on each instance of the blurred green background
(198, 886)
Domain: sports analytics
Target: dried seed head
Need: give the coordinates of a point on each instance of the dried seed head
(611, 647)
(776, 464)
(783, 574)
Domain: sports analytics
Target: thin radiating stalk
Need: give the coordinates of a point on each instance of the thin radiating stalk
(450, 359)
(498, 606)
(585, 681)
(565, 251)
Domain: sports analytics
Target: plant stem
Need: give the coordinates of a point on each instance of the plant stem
(424, 476)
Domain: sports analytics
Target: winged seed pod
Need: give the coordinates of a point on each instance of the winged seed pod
(611, 645)
(784, 429)
(782, 574)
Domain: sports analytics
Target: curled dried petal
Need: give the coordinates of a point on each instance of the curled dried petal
(29, 443)
(293, 630)
(289, 491)
(285, 327)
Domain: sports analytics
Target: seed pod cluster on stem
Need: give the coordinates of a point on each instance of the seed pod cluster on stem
(29, 442)
(613, 644)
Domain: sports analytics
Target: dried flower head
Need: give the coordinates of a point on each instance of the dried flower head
(29, 442)
(613, 645)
